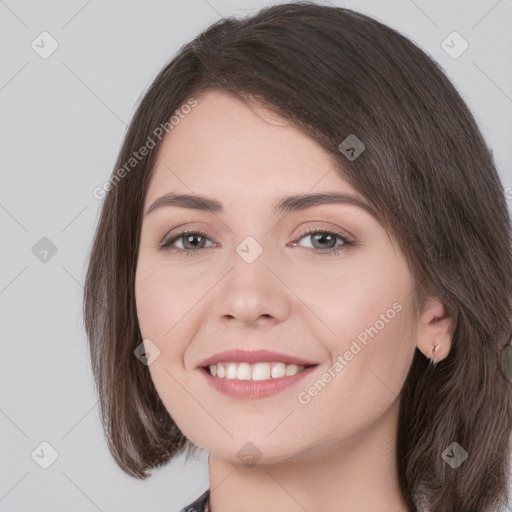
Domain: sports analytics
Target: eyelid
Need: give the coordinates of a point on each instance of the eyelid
(310, 230)
(332, 228)
(196, 228)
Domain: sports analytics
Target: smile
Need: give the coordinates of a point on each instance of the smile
(258, 371)
(269, 378)
(254, 373)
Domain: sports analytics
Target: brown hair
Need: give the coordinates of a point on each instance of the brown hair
(428, 172)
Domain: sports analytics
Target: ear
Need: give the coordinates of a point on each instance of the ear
(434, 330)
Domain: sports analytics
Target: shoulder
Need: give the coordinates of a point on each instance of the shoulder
(199, 505)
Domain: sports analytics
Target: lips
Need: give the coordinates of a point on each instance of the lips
(255, 389)
(255, 356)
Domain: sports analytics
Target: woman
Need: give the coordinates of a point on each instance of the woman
(352, 377)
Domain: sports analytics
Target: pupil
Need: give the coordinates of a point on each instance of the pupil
(189, 238)
(320, 236)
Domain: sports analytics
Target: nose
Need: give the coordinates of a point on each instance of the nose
(252, 294)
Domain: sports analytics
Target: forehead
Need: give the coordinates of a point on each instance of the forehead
(226, 147)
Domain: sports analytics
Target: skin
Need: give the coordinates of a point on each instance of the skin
(337, 452)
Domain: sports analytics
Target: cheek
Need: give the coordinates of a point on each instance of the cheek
(151, 301)
(375, 326)
(162, 297)
(344, 298)
(162, 305)
(362, 311)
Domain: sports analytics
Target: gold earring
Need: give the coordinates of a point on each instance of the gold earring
(433, 349)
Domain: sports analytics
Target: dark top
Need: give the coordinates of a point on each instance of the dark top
(200, 505)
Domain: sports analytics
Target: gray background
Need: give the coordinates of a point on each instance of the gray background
(62, 122)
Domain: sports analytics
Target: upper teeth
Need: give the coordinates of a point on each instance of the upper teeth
(258, 371)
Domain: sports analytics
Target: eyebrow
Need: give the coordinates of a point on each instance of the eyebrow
(284, 205)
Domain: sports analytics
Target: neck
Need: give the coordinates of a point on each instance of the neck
(355, 475)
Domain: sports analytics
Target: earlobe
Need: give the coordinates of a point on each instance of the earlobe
(434, 330)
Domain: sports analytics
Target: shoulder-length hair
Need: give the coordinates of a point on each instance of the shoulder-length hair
(427, 171)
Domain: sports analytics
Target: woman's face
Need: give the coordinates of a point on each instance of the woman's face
(259, 281)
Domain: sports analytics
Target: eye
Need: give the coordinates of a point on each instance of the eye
(194, 241)
(325, 242)
(191, 242)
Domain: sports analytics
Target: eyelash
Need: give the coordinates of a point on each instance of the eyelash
(165, 245)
